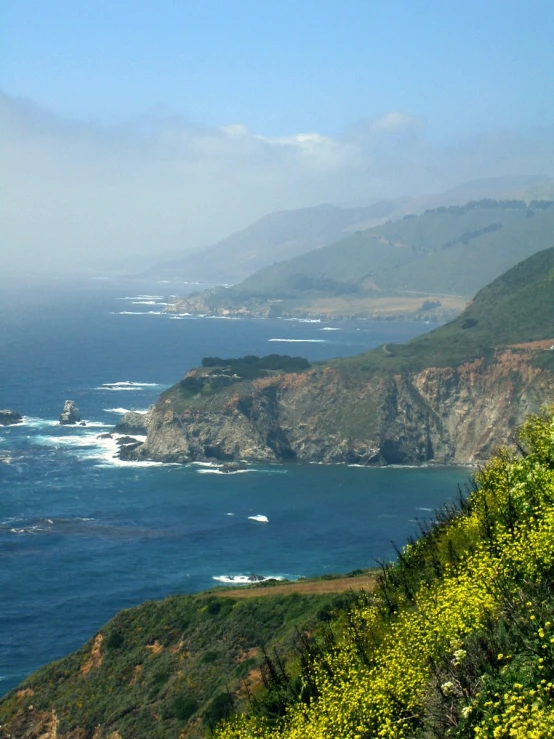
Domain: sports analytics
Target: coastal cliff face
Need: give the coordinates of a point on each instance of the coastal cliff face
(452, 415)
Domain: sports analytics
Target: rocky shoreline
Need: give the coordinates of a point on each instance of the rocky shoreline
(447, 416)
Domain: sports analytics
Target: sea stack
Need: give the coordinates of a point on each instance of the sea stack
(8, 418)
(70, 413)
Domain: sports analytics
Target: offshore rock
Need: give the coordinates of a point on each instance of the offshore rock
(8, 418)
(70, 414)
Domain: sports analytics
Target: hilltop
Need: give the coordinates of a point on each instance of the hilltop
(285, 234)
(426, 265)
(172, 668)
(276, 236)
(450, 396)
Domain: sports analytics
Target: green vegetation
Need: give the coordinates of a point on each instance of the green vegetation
(246, 366)
(280, 235)
(457, 640)
(448, 250)
(516, 308)
(224, 372)
(168, 667)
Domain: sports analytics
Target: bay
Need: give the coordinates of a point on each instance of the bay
(83, 535)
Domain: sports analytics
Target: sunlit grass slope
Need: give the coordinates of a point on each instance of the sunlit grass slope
(517, 307)
(458, 638)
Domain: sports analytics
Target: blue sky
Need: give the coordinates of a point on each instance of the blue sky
(283, 67)
(139, 128)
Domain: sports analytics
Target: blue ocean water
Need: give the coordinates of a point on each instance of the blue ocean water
(83, 535)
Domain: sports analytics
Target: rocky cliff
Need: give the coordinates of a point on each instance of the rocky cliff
(449, 396)
(447, 415)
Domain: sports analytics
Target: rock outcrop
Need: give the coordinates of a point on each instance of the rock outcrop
(452, 415)
(133, 422)
(70, 414)
(8, 418)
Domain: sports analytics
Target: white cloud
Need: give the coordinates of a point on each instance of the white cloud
(395, 122)
(78, 192)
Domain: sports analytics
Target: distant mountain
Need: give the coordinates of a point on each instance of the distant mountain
(276, 236)
(286, 234)
(446, 251)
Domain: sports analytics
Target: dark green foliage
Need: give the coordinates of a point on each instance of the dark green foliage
(166, 663)
(219, 708)
(184, 706)
(252, 365)
(544, 360)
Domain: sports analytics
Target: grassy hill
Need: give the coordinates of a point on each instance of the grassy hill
(425, 266)
(516, 308)
(276, 236)
(448, 250)
(170, 668)
(458, 639)
(286, 234)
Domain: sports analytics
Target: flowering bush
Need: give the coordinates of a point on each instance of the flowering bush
(458, 638)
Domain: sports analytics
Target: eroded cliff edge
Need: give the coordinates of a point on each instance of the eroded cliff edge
(449, 396)
(449, 415)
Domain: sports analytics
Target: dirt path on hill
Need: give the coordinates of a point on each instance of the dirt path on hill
(309, 587)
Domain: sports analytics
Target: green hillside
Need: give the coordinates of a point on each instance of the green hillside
(458, 639)
(165, 669)
(456, 249)
(276, 236)
(517, 307)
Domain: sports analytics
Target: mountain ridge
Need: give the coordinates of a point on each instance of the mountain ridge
(424, 265)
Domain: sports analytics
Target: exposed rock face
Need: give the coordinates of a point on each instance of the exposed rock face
(8, 418)
(446, 415)
(133, 423)
(70, 413)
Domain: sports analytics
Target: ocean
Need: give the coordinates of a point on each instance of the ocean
(83, 535)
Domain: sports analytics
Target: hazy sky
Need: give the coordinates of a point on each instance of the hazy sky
(141, 127)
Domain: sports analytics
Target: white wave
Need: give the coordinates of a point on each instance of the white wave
(116, 462)
(126, 385)
(220, 472)
(83, 440)
(224, 318)
(207, 464)
(229, 514)
(148, 302)
(330, 328)
(123, 410)
(245, 579)
(142, 297)
(301, 341)
(259, 517)
(304, 320)
(136, 313)
(38, 423)
(428, 510)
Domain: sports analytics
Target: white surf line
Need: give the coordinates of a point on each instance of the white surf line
(300, 341)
